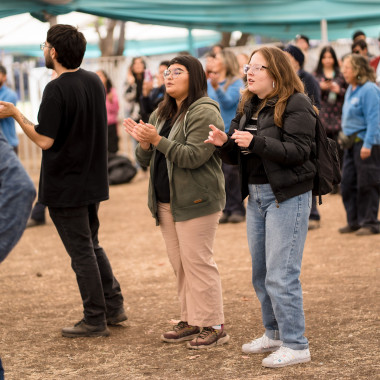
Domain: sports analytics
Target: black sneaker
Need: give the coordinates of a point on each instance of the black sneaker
(348, 229)
(83, 329)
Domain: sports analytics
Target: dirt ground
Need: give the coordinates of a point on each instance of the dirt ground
(39, 296)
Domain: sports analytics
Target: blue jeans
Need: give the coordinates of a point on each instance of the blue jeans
(276, 237)
(17, 194)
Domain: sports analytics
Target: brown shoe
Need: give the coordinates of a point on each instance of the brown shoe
(181, 332)
(82, 329)
(209, 337)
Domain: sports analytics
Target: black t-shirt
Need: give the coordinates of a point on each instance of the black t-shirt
(73, 113)
(161, 177)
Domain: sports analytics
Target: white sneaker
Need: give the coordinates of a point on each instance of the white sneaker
(260, 345)
(286, 356)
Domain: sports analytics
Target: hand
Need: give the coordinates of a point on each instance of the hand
(242, 138)
(216, 136)
(148, 133)
(130, 126)
(214, 79)
(335, 87)
(325, 85)
(147, 87)
(130, 77)
(365, 153)
(7, 110)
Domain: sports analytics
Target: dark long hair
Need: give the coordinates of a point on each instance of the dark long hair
(108, 81)
(319, 69)
(197, 89)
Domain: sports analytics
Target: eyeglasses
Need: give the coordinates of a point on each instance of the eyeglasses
(174, 73)
(356, 52)
(254, 68)
(43, 46)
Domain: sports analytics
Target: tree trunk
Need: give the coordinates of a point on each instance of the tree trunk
(121, 40)
(226, 37)
(242, 41)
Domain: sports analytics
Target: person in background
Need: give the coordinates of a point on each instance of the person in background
(133, 94)
(209, 65)
(72, 133)
(314, 93)
(333, 88)
(186, 197)
(361, 47)
(16, 198)
(243, 60)
(275, 124)
(152, 96)
(303, 43)
(112, 106)
(358, 35)
(7, 125)
(217, 48)
(17, 194)
(374, 63)
(224, 86)
(360, 186)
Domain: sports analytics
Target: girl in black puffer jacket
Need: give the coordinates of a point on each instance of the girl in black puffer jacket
(272, 140)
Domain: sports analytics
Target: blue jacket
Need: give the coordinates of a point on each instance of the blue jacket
(228, 99)
(7, 125)
(361, 113)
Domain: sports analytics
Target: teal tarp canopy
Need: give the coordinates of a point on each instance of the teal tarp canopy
(281, 19)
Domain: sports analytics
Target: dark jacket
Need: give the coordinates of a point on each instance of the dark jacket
(285, 151)
(312, 87)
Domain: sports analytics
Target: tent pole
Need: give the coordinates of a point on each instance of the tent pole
(324, 34)
(190, 42)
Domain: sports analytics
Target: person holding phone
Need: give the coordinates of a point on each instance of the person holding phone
(186, 197)
(277, 175)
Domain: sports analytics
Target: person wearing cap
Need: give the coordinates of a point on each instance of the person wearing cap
(313, 91)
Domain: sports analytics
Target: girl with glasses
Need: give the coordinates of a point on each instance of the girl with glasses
(271, 140)
(186, 196)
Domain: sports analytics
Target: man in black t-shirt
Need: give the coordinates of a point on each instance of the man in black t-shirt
(72, 131)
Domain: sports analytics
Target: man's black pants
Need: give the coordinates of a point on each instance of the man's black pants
(100, 291)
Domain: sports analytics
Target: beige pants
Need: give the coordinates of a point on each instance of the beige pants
(189, 246)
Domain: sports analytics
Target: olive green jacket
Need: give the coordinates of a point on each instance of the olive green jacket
(194, 168)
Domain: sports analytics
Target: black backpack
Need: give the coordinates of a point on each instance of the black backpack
(326, 159)
(120, 169)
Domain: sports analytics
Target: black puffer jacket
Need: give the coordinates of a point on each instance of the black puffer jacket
(286, 152)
